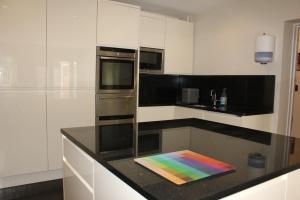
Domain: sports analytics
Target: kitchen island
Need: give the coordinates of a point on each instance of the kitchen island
(99, 161)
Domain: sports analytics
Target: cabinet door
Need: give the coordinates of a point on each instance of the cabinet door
(274, 189)
(74, 188)
(118, 24)
(155, 113)
(293, 191)
(106, 183)
(182, 113)
(179, 44)
(23, 139)
(222, 118)
(71, 44)
(65, 109)
(22, 44)
(152, 30)
(258, 122)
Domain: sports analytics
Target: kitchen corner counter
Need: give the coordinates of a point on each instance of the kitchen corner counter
(115, 147)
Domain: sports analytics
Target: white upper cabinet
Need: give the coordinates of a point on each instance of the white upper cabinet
(152, 30)
(118, 24)
(22, 44)
(179, 46)
(71, 44)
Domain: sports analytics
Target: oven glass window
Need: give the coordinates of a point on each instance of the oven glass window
(116, 74)
(150, 60)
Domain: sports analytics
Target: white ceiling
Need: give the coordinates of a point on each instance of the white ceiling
(181, 7)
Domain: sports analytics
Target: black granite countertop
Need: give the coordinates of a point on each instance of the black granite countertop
(234, 110)
(116, 146)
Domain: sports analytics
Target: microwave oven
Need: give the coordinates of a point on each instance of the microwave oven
(151, 60)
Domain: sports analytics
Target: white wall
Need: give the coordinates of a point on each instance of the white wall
(225, 38)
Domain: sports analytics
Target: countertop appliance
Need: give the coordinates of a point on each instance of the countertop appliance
(190, 95)
(151, 60)
(116, 74)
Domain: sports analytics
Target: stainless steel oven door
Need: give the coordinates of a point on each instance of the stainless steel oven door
(115, 109)
(116, 75)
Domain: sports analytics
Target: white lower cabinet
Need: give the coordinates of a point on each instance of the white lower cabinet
(183, 113)
(74, 189)
(65, 109)
(222, 118)
(23, 138)
(274, 189)
(258, 122)
(155, 113)
(293, 192)
(108, 186)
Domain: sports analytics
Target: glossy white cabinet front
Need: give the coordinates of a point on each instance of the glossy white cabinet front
(65, 109)
(23, 137)
(118, 24)
(179, 46)
(22, 44)
(152, 30)
(71, 43)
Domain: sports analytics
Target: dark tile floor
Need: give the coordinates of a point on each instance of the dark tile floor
(49, 190)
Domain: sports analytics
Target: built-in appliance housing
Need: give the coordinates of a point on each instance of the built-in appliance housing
(116, 71)
(116, 75)
(151, 60)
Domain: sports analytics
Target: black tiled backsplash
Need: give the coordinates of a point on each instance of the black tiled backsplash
(247, 91)
(158, 90)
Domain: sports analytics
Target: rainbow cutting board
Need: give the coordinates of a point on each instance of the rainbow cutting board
(184, 166)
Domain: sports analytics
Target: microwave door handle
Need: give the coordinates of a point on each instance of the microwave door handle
(115, 58)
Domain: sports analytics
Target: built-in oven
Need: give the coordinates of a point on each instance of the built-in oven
(151, 60)
(116, 71)
(115, 109)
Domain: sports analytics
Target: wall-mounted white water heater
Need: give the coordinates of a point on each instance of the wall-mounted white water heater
(265, 45)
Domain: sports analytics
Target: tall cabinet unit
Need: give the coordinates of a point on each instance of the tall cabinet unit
(22, 87)
(179, 46)
(71, 64)
(118, 24)
(152, 30)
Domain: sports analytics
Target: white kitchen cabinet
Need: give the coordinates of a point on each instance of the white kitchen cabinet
(293, 192)
(106, 183)
(79, 161)
(155, 113)
(222, 118)
(71, 44)
(258, 122)
(183, 113)
(74, 188)
(23, 44)
(66, 108)
(274, 189)
(23, 138)
(152, 30)
(118, 24)
(179, 46)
